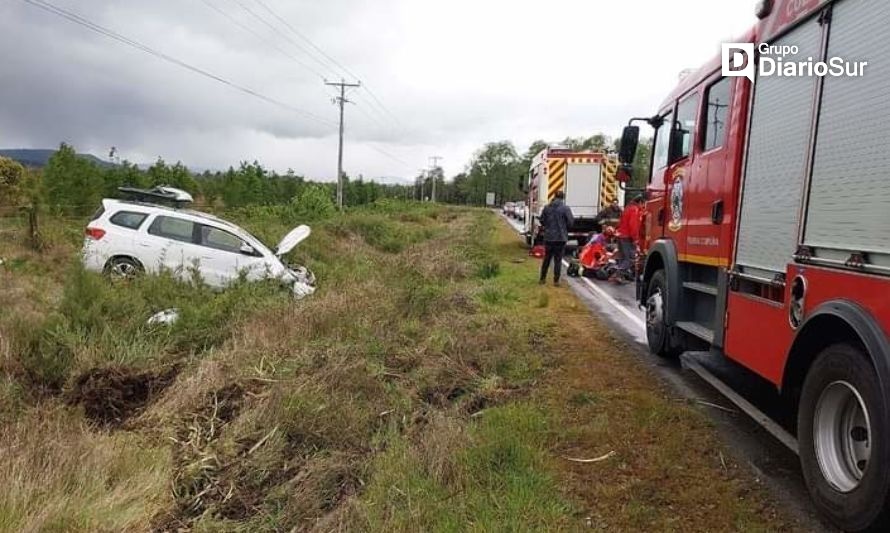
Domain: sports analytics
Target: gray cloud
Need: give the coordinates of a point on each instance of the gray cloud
(455, 74)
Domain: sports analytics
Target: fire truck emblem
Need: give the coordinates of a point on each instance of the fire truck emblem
(676, 222)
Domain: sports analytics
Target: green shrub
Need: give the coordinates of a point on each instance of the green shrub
(314, 202)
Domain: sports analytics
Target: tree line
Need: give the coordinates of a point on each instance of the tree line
(70, 184)
(499, 168)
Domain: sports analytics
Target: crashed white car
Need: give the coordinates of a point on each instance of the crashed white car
(125, 238)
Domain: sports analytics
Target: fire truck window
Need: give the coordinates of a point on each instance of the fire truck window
(662, 144)
(718, 104)
(685, 127)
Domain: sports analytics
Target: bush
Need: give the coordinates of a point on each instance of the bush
(314, 202)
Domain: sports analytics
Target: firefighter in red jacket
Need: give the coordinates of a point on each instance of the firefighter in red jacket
(629, 233)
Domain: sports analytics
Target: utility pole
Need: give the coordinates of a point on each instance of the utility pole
(342, 101)
(435, 164)
(422, 178)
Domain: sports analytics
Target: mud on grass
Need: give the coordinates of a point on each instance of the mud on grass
(111, 396)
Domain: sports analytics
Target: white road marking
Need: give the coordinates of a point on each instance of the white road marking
(612, 301)
(635, 319)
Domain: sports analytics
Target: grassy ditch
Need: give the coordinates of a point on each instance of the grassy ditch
(427, 385)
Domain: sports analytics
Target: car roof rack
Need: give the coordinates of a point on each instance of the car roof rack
(161, 194)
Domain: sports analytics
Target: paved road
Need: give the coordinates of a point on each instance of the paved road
(774, 464)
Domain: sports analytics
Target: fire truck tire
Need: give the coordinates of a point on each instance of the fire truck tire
(844, 440)
(658, 333)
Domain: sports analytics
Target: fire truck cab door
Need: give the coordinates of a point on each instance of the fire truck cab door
(656, 192)
(679, 175)
(706, 218)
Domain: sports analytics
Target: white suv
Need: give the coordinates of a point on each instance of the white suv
(125, 238)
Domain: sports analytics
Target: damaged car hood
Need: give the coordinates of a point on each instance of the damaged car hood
(292, 239)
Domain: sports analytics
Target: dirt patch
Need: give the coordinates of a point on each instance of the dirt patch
(111, 396)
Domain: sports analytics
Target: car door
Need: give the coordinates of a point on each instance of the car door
(167, 241)
(224, 256)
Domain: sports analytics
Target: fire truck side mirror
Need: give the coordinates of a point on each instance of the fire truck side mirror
(630, 139)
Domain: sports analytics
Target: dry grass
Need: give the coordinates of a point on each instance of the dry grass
(424, 387)
(60, 475)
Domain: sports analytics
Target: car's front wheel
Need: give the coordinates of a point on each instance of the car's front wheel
(123, 267)
(844, 440)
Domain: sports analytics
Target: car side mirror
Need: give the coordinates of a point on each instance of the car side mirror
(630, 140)
(247, 249)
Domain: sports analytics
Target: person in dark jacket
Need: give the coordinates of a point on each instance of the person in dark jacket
(556, 219)
(608, 216)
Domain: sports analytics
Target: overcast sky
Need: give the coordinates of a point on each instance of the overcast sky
(451, 75)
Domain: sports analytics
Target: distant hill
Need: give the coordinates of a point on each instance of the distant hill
(40, 157)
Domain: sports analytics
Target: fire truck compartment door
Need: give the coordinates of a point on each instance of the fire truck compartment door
(778, 148)
(583, 181)
(850, 190)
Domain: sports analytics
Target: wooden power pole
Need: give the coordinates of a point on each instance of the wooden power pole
(342, 101)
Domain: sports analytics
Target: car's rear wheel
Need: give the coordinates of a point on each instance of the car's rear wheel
(123, 267)
(844, 440)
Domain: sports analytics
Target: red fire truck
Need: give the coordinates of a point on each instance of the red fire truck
(768, 239)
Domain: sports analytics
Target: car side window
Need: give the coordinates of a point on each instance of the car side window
(718, 104)
(220, 239)
(128, 219)
(173, 228)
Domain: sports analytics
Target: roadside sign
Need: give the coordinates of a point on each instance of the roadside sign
(489, 199)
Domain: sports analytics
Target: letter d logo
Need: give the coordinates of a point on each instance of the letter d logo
(738, 60)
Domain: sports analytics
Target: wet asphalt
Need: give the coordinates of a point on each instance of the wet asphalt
(774, 465)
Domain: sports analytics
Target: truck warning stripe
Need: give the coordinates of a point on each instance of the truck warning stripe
(610, 182)
(556, 177)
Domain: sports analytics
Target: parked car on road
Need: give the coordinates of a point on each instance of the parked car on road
(519, 212)
(508, 209)
(125, 238)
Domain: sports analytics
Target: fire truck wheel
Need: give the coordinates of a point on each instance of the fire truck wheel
(657, 332)
(844, 440)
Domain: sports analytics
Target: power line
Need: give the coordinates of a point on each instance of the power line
(263, 39)
(77, 19)
(307, 40)
(379, 103)
(389, 155)
(370, 116)
(272, 27)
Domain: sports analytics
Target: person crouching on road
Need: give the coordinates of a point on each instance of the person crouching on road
(556, 219)
(628, 234)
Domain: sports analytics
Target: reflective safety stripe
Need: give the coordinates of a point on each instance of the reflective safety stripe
(610, 183)
(556, 177)
(703, 260)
